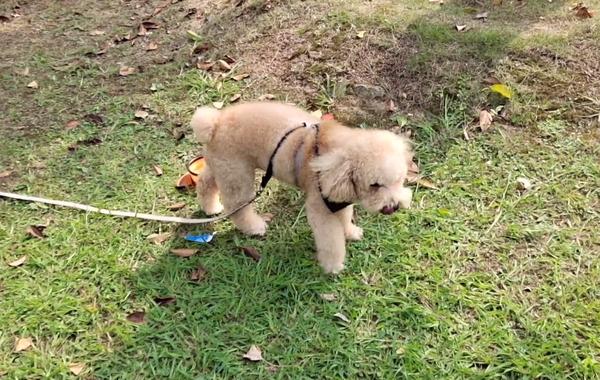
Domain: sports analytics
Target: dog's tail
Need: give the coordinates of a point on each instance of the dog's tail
(203, 123)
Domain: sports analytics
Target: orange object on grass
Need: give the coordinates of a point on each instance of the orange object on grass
(190, 179)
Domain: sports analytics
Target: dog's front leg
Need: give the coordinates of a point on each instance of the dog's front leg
(328, 232)
(351, 230)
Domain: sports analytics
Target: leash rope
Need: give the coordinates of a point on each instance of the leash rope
(120, 213)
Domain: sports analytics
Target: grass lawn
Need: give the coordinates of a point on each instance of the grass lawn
(480, 279)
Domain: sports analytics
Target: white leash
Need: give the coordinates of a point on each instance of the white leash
(125, 214)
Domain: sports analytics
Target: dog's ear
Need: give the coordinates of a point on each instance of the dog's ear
(335, 172)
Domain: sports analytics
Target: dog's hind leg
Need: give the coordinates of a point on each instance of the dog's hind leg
(208, 192)
(235, 180)
(328, 232)
(351, 230)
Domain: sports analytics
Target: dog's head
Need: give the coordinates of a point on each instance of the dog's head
(365, 166)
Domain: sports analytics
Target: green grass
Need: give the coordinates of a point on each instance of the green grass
(478, 280)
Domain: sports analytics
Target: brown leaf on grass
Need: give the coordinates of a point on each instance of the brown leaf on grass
(251, 252)
(94, 118)
(426, 184)
(266, 97)
(482, 16)
(36, 231)
(583, 12)
(151, 46)
(158, 170)
(21, 344)
(218, 105)
(164, 301)
(18, 262)
(391, 106)
(235, 98)
(523, 184)
(491, 80)
(342, 317)
(159, 238)
(328, 296)
(485, 120)
(176, 206)
(361, 34)
(149, 25)
(240, 77)
(142, 31)
(4, 18)
(141, 114)
(461, 28)
(137, 317)
(224, 65)
(126, 70)
(6, 173)
(97, 32)
(198, 274)
(33, 84)
(76, 368)
(184, 252)
(206, 65)
(202, 48)
(71, 124)
(254, 354)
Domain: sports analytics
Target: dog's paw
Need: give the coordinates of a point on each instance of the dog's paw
(332, 267)
(258, 228)
(354, 232)
(213, 209)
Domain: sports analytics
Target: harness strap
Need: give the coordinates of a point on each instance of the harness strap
(269, 172)
(331, 205)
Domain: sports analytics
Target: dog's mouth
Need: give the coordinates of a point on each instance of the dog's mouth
(388, 209)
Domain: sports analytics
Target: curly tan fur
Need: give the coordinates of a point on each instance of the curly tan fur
(367, 167)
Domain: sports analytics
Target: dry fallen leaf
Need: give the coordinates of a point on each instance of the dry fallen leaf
(176, 206)
(32, 84)
(523, 183)
(94, 118)
(328, 296)
(485, 120)
(126, 70)
(137, 317)
(461, 28)
(254, 354)
(36, 231)
(149, 25)
(239, 77)
(71, 124)
(97, 32)
(198, 274)
(235, 98)
(21, 344)
(6, 173)
(18, 262)
(151, 46)
(251, 252)
(582, 11)
(184, 252)
(426, 183)
(206, 65)
(266, 97)
(163, 301)
(391, 106)
(224, 65)
(361, 34)
(218, 105)
(159, 238)
(158, 170)
(141, 114)
(76, 368)
(342, 317)
(481, 16)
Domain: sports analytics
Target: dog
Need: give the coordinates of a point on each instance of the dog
(336, 166)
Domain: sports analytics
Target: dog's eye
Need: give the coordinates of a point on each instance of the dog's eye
(376, 185)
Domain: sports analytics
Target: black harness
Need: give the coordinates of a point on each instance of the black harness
(331, 205)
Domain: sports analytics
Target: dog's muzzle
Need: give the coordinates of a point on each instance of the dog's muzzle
(388, 209)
